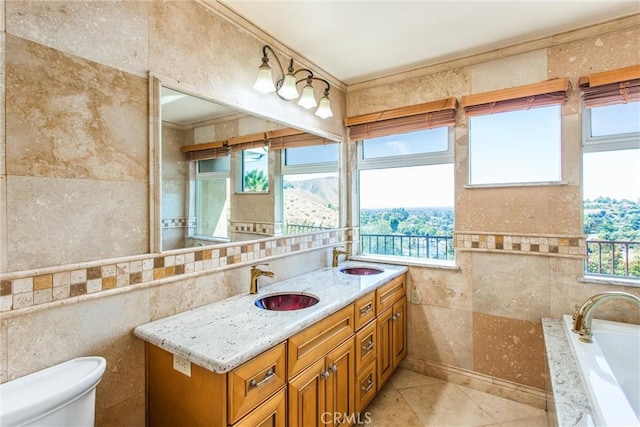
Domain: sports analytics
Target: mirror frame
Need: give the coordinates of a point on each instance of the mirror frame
(156, 83)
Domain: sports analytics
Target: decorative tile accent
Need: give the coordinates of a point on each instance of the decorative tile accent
(21, 289)
(261, 228)
(183, 222)
(534, 244)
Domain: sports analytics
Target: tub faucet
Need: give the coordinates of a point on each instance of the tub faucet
(255, 273)
(336, 253)
(584, 314)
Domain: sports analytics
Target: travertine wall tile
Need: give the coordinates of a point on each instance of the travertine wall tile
(517, 70)
(98, 327)
(511, 286)
(572, 149)
(409, 92)
(441, 334)
(54, 220)
(175, 173)
(443, 288)
(113, 33)
(509, 349)
(72, 118)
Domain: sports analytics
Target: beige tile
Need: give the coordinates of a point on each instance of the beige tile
(540, 421)
(444, 288)
(500, 409)
(403, 378)
(509, 349)
(514, 286)
(441, 334)
(389, 409)
(444, 405)
(130, 413)
(516, 70)
(49, 223)
(85, 29)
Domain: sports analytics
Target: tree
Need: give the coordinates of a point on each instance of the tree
(255, 180)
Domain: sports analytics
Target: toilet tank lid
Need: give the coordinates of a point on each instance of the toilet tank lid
(44, 391)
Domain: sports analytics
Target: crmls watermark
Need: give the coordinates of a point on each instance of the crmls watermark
(340, 418)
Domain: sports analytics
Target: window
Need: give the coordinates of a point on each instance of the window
(310, 188)
(212, 198)
(406, 194)
(522, 146)
(255, 170)
(611, 189)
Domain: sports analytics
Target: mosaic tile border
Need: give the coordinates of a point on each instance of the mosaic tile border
(532, 244)
(26, 289)
(179, 222)
(256, 227)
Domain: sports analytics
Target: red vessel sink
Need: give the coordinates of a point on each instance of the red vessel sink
(286, 301)
(361, 271)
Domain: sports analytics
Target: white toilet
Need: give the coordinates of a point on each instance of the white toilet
(62, 395)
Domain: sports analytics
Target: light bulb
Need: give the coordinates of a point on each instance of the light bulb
(308, 99)
(288, 90)
(324, 109)
(264, 82)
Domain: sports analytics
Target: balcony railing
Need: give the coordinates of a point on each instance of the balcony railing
(429, 247)
(613, 258)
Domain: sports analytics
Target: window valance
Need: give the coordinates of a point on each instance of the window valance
(549, 92)
(402, 120)
(205, 151)
(611, 87)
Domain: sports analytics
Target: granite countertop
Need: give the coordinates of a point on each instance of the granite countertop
(222, 335)
(570, 397)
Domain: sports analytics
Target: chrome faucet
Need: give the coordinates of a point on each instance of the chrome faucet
(584, 314)
(255, 273)
(336, 253)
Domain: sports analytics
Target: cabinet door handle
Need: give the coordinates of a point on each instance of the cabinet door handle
(366, 309)
(393, 317)
(368, 387)
(270, 374)
(324, 375)
(333, 368)
(368, 347)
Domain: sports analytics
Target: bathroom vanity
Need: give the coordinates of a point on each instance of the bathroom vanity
(232, 363)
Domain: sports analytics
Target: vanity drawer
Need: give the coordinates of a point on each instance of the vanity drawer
(317, 340)
(254, 381)
(365, 310)
(389, 293)
(366, 387)
(366, 346)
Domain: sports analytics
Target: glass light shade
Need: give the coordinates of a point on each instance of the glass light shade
(288, 90)
(308, 99)
(264, 82)
(324, 109)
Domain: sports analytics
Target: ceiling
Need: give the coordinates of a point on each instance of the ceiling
(184, 110)
(356, 40)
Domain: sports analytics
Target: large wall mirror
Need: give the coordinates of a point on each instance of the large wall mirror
(225, 176)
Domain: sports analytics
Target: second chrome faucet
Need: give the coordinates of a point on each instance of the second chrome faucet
(255, 273)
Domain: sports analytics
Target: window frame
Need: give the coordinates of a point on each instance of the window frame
(308, 168)
(559, 181)
(409, 160)
(593, 144)
(201, 176)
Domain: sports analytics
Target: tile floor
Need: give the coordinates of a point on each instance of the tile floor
(410, 399)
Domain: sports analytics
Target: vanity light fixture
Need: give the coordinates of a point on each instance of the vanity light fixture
(286, 87)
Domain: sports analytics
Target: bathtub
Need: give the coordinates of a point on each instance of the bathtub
(610, 370)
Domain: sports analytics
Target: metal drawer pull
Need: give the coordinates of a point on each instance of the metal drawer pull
(368, 387)
(366, 309)
(368, 347)
(333, 368)
(393, 317)
(324, 374)
(270, 374)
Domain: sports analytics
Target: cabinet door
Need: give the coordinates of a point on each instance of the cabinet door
(272, 413)
(385, 346)
(307, 396)
(399, 341)
(366, 349)
(340, 398)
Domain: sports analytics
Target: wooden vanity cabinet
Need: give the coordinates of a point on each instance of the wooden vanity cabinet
(392, 339)
(272, 413)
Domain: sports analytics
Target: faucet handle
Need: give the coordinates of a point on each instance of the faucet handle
(253, 267)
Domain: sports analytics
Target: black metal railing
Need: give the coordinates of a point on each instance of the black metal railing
(300, 228)
(613, 258)
(426, 246)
